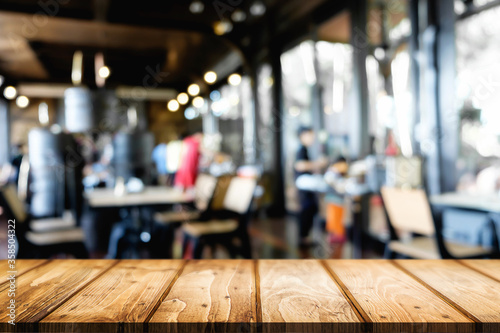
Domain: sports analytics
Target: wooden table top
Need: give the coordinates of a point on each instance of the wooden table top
(152, 195)
(254, 296)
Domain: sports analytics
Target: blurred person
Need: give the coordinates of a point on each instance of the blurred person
(159, 157)
(392, 148)
(173, 155)
(19, 151)
(307, 199)
(185, 177)
(340, 166)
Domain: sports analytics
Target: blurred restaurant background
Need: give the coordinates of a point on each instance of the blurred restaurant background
(250, 128)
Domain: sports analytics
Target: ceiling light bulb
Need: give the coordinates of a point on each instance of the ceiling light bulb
(222, 27)
(210, 77)
(198, 102)
(22, 101)
(104, 72)
(173, 105)
(234, 79)
(183, 98)
(257, 8)
(238, 16)
(196, 7)
(194, 89)
(10, 92)
(77, 68)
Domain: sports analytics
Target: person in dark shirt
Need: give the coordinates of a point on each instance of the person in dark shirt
(307, 199)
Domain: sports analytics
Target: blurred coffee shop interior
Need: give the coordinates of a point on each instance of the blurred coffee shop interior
(250, 128)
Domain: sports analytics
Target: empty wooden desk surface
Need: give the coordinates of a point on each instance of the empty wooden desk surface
(254, 296)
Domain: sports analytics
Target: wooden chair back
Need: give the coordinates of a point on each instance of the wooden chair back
(408, 210)
(13, 204)
(204, 190)
(223, 182)
(239, 195)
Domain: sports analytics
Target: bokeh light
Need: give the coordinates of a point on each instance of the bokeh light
(210, 77)
(22, 102)
(193, 89)
(10, 92)
(173, 105)
(234, 79)
(183, 98)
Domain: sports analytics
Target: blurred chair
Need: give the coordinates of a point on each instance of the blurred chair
(204, 189)
(226, 225)
(42, 237)
(408, 211)
(167, 222)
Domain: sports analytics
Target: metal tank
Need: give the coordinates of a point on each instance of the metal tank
(132, 155)
(56, 166)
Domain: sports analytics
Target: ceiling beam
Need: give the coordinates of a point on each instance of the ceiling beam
(44, 90)
(17, 59)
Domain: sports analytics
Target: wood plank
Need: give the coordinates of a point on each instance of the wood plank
(470, 291)
(43, 289)
(490, 268)
(21, 266)
(209, 295)
(300, 295)
(119, 300)
(394, 301)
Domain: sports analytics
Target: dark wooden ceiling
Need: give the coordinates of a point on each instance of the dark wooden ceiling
(39, 37)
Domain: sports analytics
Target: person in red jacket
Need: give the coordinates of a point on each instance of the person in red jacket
(185, 177)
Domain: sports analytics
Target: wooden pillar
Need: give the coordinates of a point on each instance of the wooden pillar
(359, 139)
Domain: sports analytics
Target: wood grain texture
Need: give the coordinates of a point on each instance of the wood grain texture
(395, 301)
(255, 296)
(119, 300)
(490, 268)
(209, 295)
(300, 295)
(22, 266)
(42, 289)
(471, 291)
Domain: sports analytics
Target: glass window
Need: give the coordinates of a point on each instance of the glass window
(298, 79)
(478, 93)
